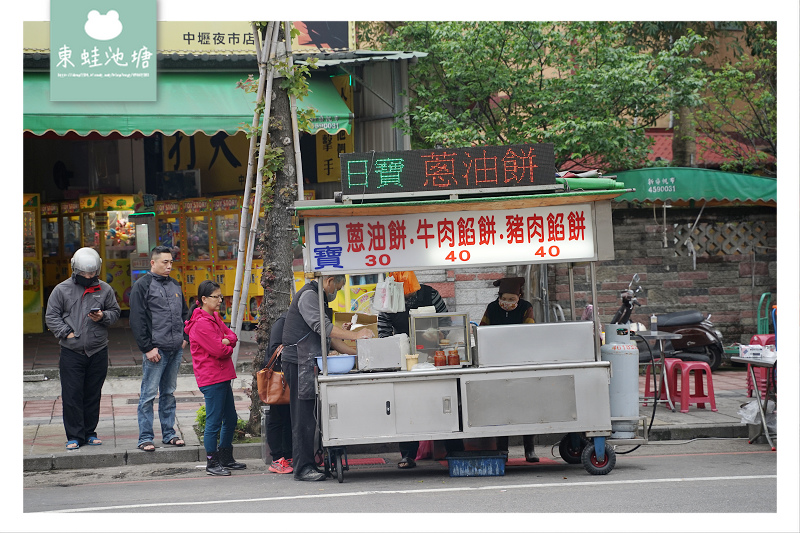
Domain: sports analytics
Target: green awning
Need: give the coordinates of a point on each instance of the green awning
(188, 102)
(683, 186)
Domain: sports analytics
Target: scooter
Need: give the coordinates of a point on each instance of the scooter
(699, 341)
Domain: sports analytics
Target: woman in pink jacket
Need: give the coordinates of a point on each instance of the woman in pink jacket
(212, 344)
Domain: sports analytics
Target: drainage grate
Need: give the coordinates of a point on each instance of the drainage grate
(194, 399)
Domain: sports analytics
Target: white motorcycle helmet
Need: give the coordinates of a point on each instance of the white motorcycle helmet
(86, 261)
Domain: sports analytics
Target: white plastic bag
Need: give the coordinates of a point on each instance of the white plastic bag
(751, 415)
(389, 296)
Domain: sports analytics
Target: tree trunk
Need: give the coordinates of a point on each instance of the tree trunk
(684, 143)
(274, 241)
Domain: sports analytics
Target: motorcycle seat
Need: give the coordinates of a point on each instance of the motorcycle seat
(680, 318)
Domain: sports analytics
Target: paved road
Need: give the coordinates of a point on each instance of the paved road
(717, 476)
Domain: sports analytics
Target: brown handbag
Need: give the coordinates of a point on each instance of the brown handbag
(272, 386)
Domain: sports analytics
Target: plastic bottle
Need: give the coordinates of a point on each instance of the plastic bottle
(653, 323)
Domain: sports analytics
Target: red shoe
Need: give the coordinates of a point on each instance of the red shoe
(281, 466)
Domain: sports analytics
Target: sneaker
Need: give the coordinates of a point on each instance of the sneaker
(290, 461)
(281, 466)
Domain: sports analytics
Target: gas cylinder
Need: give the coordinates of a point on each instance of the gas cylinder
(623, 391)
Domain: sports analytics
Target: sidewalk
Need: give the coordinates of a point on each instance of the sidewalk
(44, 439)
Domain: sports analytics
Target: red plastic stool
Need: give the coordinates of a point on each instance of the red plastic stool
(762, 373)
(648, 393)
(686, 368)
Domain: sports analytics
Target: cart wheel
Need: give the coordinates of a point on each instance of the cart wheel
(595, 467)
(338, 465)
(568, 452)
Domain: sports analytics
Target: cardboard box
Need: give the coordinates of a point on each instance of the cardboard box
(388, 353)
(371, 320)
(752, 351)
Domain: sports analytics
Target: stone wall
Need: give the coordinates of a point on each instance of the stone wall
(727, 283)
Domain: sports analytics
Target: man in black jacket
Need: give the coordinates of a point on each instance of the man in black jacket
(158, 312)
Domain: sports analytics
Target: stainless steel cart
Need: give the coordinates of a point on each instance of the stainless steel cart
(522, 379)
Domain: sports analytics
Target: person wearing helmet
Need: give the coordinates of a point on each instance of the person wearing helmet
(79, 311)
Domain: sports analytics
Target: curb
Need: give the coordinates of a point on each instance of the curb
(123, 457)
(194, 454)
(244, 367)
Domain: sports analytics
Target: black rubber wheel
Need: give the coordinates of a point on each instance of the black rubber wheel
(337, 458)
(715, 354)
(595, 467)
(568, 452)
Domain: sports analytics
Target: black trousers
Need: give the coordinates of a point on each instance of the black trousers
(279, 431)
(82, 381)
(304, 424)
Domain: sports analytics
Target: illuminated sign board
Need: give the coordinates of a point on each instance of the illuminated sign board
(448, 169)
(548, 234)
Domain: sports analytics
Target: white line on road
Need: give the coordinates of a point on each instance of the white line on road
(414, 491)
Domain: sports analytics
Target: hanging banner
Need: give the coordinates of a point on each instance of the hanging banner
(450, 239)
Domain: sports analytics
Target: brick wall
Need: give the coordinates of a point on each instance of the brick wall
(728, 286)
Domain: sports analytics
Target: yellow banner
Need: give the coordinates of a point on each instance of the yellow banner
(328, 149)
(221, 159)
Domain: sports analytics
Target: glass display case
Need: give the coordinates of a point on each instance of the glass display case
(120, 236)
(198, 245)
(442, 335)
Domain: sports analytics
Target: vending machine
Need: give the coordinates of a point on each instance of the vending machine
(169, 233)
(51, 249)
(145, 229)
(70, 233)
(32, 285)
(107, 229)
(227, 212)
(199, 250)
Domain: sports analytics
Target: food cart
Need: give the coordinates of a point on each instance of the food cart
(31, 265)
(554, 370)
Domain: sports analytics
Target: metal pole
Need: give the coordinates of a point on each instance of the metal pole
(571, 289)
(261, 55)
(595, 314)
(298, 162)
(237, 327)
(324, 338)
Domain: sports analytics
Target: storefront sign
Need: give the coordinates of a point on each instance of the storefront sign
(450, 239)
(103, 51)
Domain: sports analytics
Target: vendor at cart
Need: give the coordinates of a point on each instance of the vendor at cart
(416, 295)
(302, 342)
(510, 308)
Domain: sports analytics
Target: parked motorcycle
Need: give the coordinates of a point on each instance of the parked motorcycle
(699, 341)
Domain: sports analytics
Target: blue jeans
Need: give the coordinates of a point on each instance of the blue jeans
(220, 416)
(158, 378)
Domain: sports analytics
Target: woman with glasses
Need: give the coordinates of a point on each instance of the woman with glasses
(212, 344)
(510, 308)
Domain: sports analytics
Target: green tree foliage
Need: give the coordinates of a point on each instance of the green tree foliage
(578, 85)
(739, 114)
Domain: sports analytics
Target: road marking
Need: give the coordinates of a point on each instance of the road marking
(413, 491)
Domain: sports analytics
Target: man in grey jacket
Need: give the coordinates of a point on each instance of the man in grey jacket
(158, 312)
(302, 342)
(79, 311)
